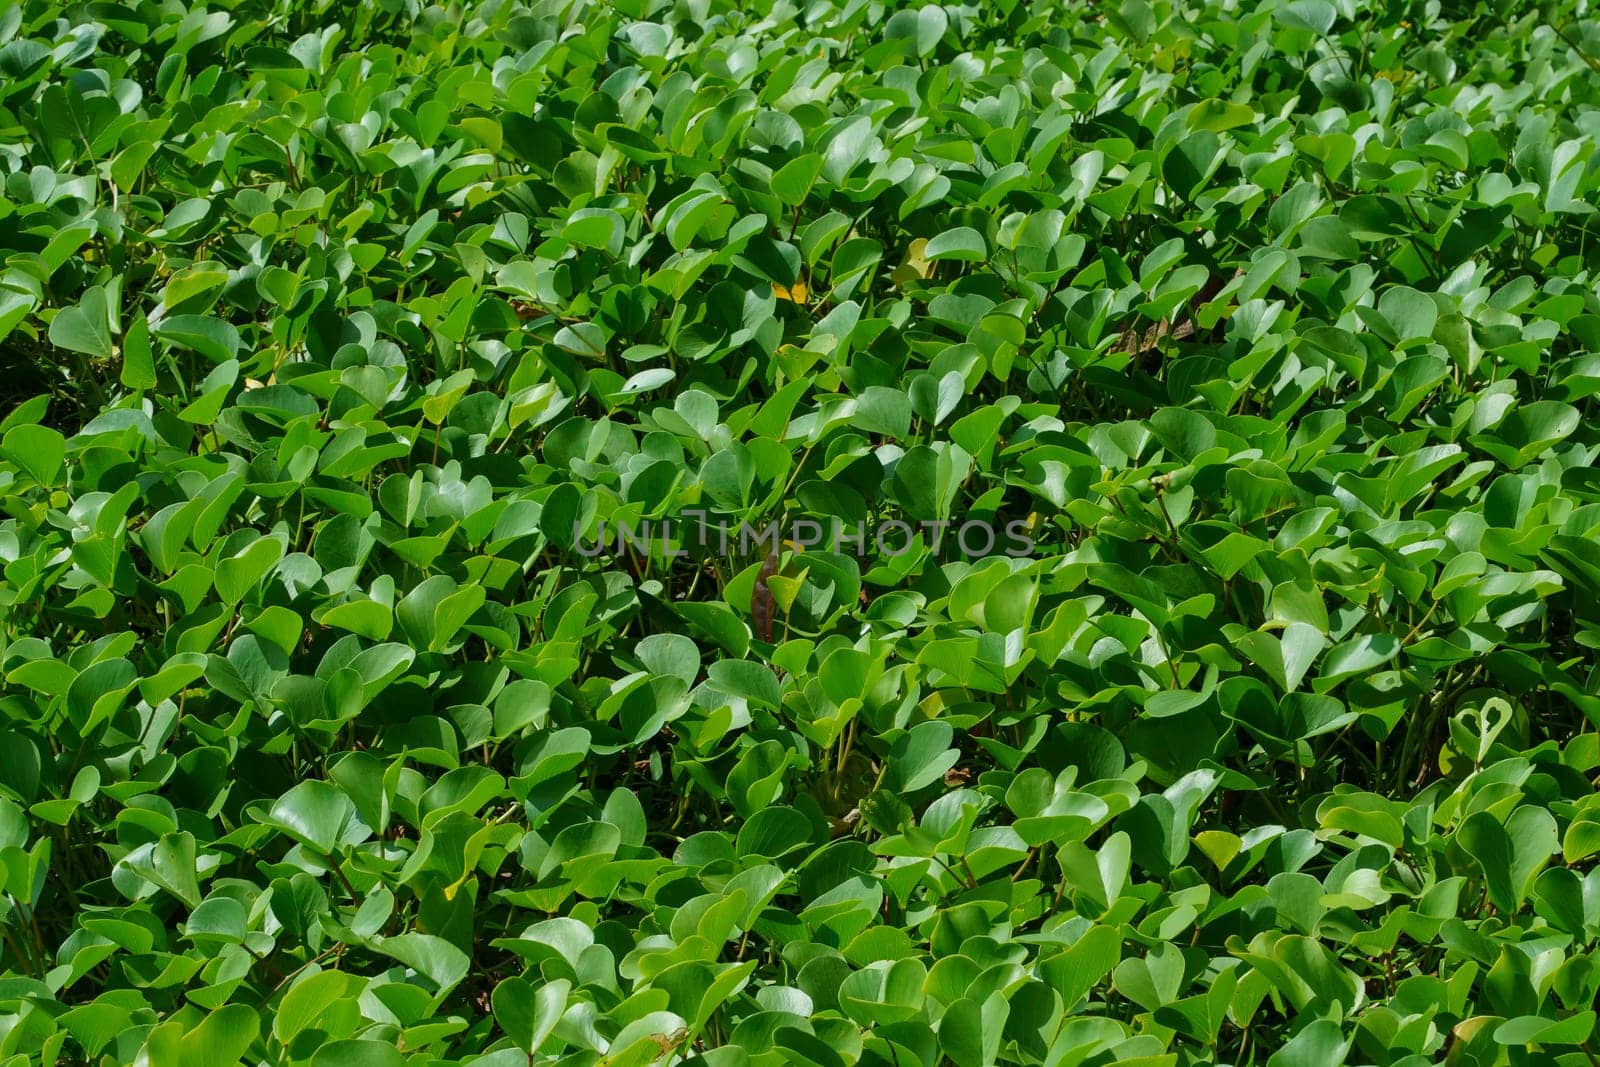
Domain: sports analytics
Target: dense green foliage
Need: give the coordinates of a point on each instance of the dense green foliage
(334, 336)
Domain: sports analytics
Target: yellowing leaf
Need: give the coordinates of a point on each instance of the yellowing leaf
(915, 265)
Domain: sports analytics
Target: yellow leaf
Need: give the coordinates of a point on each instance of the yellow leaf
(915, 267)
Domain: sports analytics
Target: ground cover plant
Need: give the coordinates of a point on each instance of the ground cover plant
(340, 343)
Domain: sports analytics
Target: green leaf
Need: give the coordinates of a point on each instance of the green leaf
(529, 1014)
(1219, 115)
(213, 338)
(793, 181)
(1512, 853)
(1356, 656)
(138, 364)
(316, 814)
(357, 1052)
(171, 864)
(443, 964)
(962, 243)
(847, 146)
(85, 327)
(222, 1037)
(1535, 1030)
(1320, 1043)
(38, 450)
